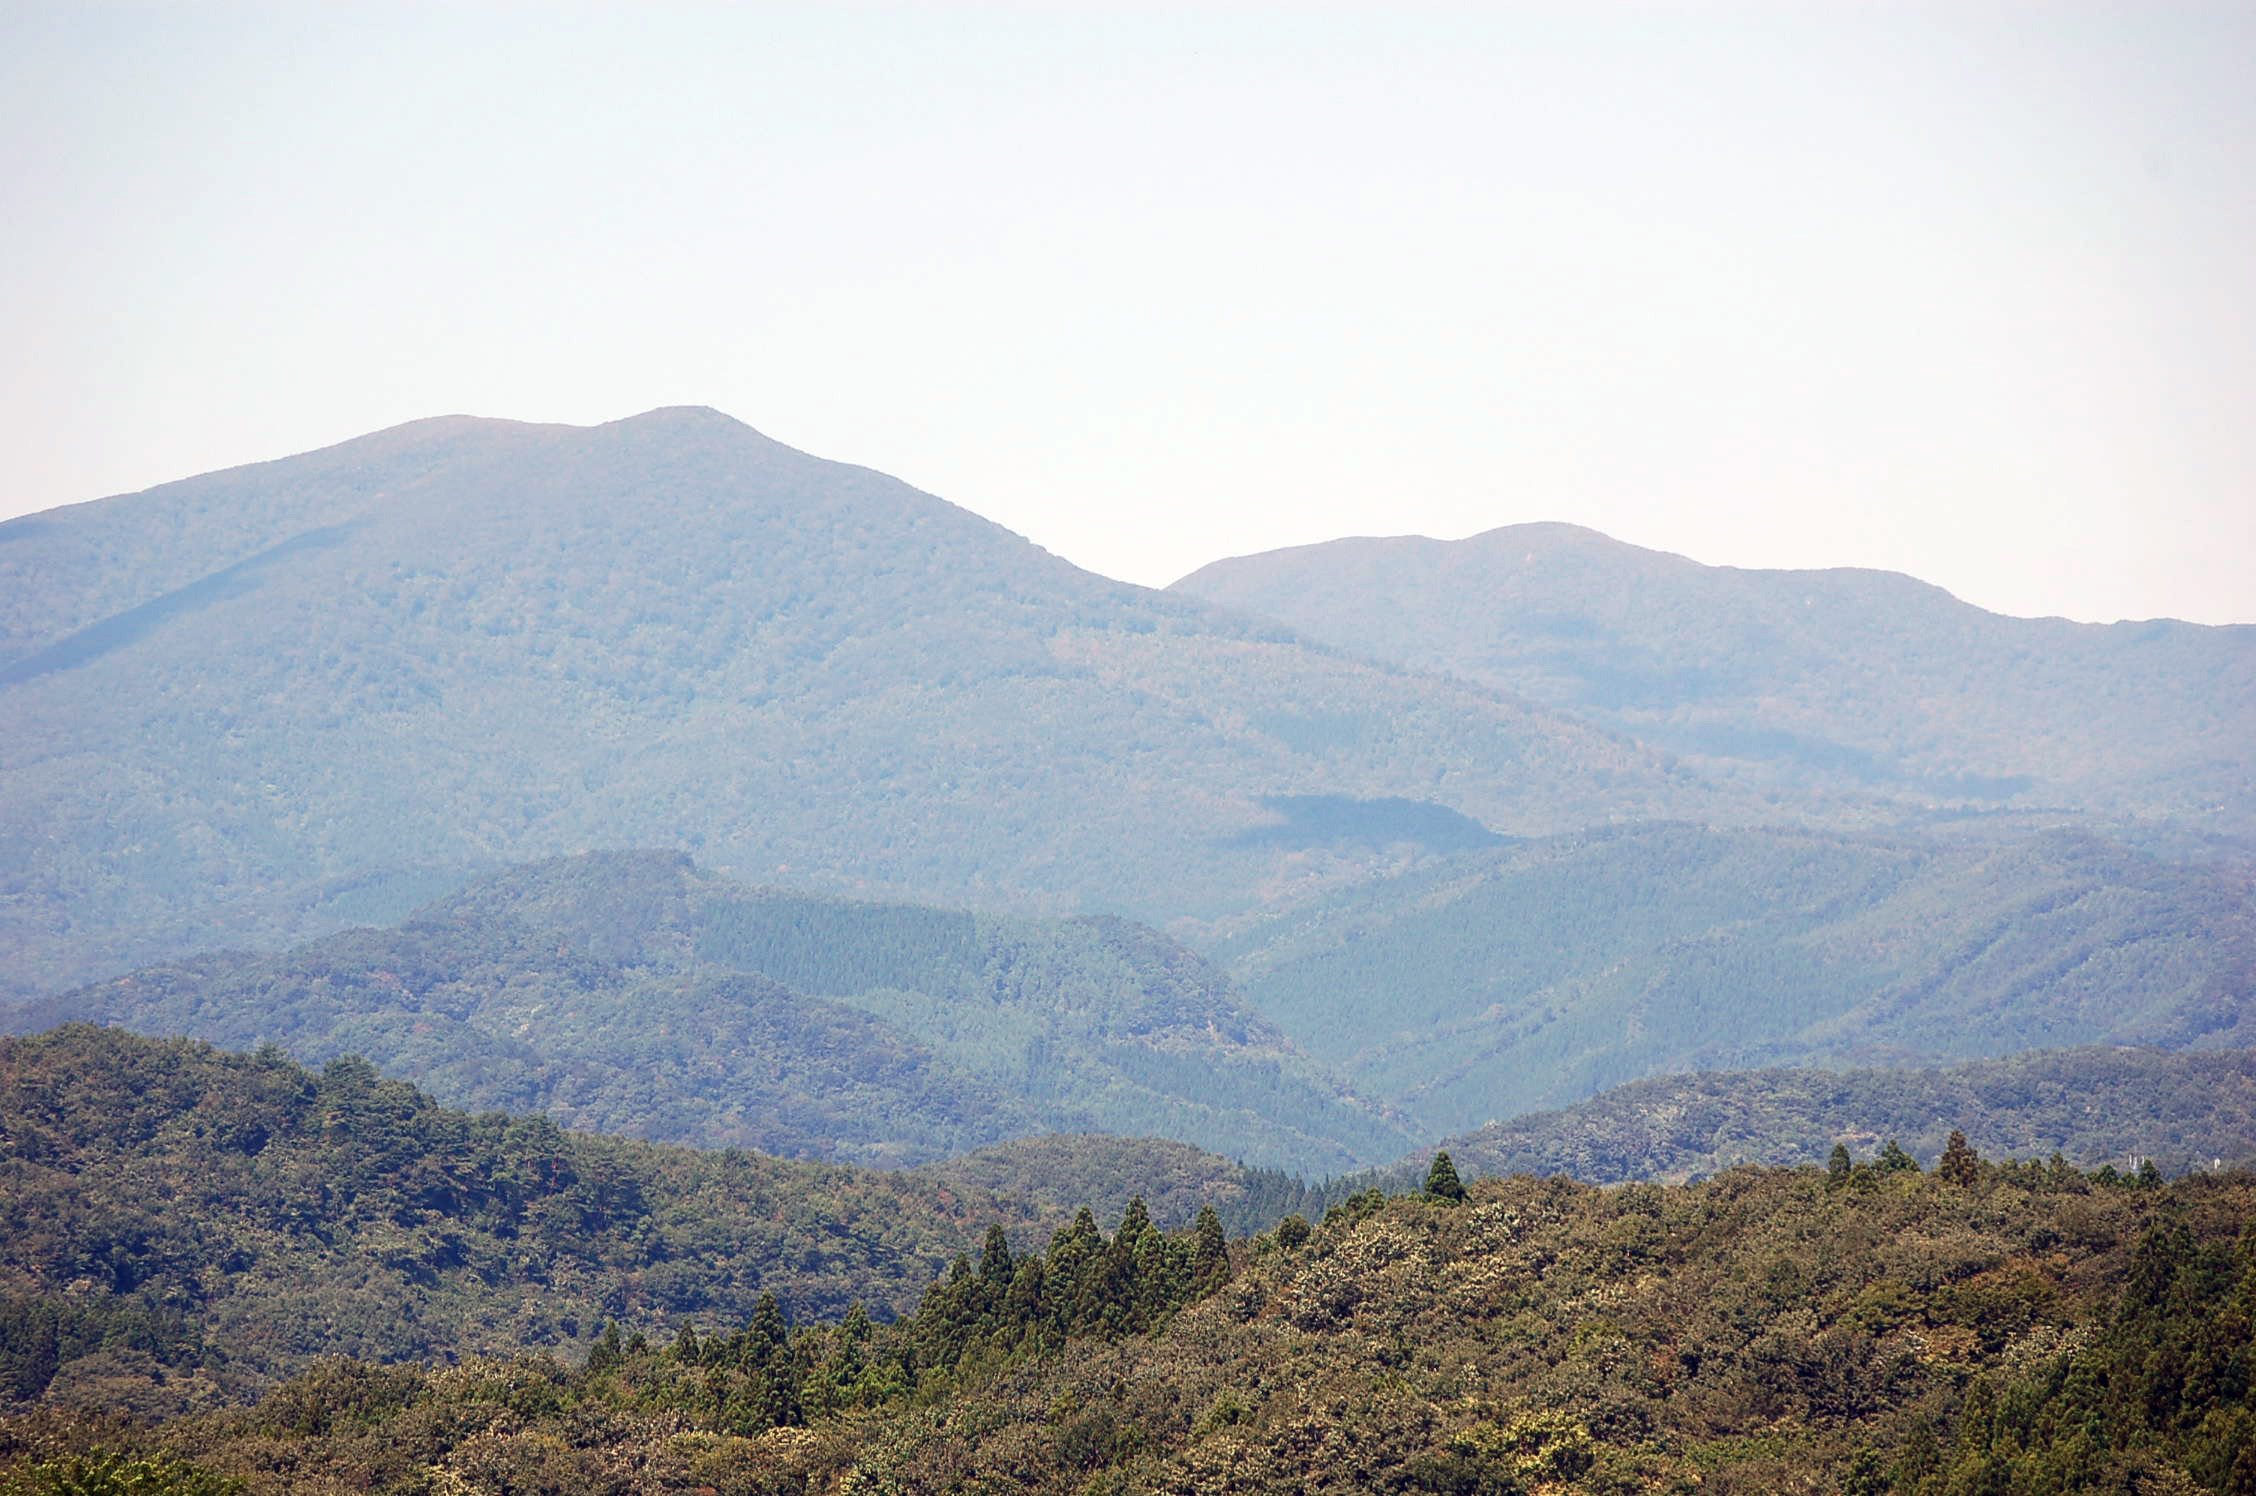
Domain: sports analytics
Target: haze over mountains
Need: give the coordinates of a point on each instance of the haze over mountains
(461, 642)
(1840, 680)
(1455, 831)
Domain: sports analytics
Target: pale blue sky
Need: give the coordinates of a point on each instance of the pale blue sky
(1968, 292)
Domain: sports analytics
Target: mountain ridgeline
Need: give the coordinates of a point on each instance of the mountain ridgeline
(1844, 683)
(260, 704)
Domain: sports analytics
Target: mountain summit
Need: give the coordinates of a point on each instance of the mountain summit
(1834, 680)
(263, 702)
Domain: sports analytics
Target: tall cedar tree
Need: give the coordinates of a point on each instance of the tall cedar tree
(1442, 1182)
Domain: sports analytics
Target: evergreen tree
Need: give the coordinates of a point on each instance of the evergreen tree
(1442, 1182)
(1959, 1163)
(1893, 1159)
(1210, 1253)
(1838, 1166)
(995, 1262)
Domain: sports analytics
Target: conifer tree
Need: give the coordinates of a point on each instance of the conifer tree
(1959, 1163)
(1893, 1159)
(1210, 1253)
(1838, 1166)
(995, 1262)
(1442, 1182)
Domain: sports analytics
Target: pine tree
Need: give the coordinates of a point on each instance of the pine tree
(1442, 1182)
(1893, 1159)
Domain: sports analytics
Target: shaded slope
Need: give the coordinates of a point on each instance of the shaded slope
(634, 993)
(465, 642)
(1540, 974)
(1840, 680)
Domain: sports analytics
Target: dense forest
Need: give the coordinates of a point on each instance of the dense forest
(1864, 1326)
(2187, 1110)
(186, 1224)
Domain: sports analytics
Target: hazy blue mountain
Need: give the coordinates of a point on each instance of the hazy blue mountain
(258, 704)
(1837, 680)
(1537, 974)
(633, 993)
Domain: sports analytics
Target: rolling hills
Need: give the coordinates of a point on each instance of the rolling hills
(637, 994)
(1836, 681)
(253, 706)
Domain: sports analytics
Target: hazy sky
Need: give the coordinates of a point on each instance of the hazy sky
(1965, 292)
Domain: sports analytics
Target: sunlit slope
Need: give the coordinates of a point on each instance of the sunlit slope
(633, 993)
(1537, 974)
(464, 642)
(1842, 680)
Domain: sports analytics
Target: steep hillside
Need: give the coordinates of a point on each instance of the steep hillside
(233, 700)
(2095, 1107)
(1536, 975)
(634, 993)
(1832, 680)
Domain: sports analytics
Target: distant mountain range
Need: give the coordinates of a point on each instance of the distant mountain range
(260, 704)
(1458, 830)
(1829, 681)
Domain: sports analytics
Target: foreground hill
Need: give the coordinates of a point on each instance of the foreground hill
(237, 700)
(1806, 679)
(2096, 1107)
(635, 993)
(185, 1224)
(1986, 1328)
(1537, 974)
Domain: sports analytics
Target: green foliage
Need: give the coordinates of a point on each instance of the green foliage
(1442, 1182)
(112, 1473)
(188, 1224)
(1757, 1332)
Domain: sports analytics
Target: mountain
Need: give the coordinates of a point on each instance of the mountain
(2096, 1107)
(1838, 680)
(263, 703)
(635, 993)
(1496, 982)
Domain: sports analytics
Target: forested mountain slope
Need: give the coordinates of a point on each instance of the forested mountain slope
(635, 993)
(234, 1216)
(1827, 680)
(1986, 1327)
(233, 699)
(2095, 1107)
(1535, 975)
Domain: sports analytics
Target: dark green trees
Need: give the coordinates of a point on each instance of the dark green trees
(1959, 1163)
(1442, 1182)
